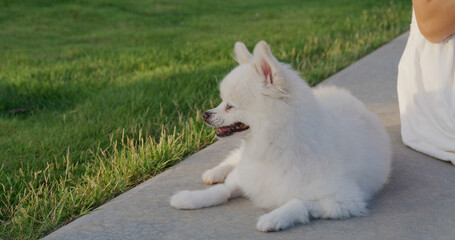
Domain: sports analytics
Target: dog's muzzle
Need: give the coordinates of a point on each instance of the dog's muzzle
(224, 131)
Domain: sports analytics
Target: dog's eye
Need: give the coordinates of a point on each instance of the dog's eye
(228, 107)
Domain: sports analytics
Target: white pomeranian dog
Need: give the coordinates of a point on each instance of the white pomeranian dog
(306, 153)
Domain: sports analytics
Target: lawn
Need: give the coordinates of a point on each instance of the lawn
(97, 96)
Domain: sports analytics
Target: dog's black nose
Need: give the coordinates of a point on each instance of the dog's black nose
(206, 115)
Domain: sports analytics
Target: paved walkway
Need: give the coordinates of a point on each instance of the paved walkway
(418, 203)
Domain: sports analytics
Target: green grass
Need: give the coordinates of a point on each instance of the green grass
(97, 96)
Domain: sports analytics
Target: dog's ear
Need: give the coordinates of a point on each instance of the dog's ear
(242, 55)
(269, 68)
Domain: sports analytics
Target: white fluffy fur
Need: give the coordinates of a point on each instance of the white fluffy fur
(308, 153)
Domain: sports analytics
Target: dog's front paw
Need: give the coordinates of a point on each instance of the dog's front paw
(183, 200)
(212, 176)
(270, 223)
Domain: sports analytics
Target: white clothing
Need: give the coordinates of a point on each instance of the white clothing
(426, 94)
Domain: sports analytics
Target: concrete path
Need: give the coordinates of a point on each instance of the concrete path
(418, 203)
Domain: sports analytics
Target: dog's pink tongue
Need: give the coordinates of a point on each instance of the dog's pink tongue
(223, 129)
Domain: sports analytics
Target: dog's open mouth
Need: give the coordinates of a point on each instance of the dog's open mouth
(229, 130)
